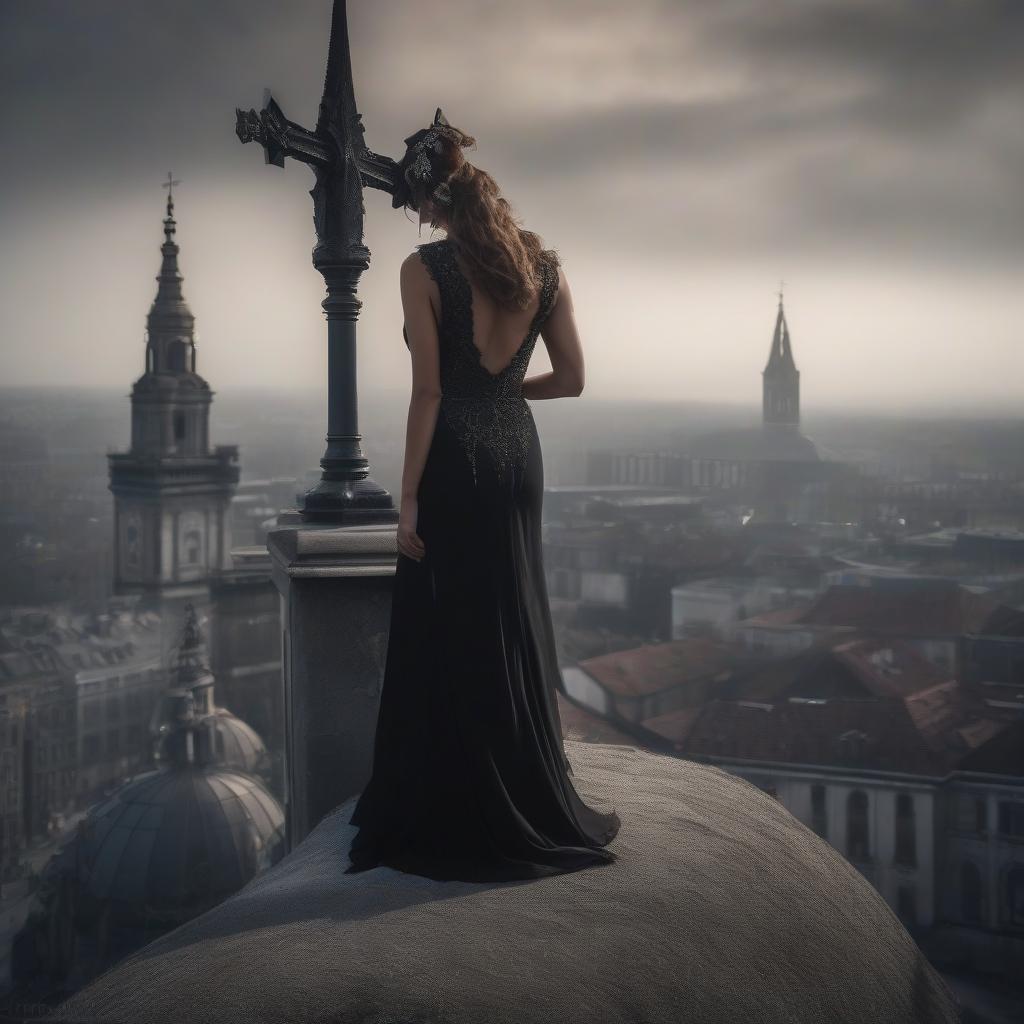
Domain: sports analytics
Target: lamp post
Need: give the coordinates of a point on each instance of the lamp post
(343, 166)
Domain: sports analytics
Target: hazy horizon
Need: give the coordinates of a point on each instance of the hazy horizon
(683, 159)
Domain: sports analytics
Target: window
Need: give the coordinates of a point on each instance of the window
(193, 546)
(819, 813)
(857, 837)
(980, 815)
(972, 893)
(906, 839)
(179, 426)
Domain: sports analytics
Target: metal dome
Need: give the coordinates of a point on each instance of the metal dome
(176, 840)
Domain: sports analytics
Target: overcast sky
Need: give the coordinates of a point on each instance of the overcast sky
(682, 156)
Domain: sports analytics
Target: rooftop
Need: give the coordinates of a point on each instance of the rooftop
(651, 668)
(714, 877)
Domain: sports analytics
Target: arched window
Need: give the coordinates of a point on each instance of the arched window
(972, 894)
(906, 838)
(857, 836)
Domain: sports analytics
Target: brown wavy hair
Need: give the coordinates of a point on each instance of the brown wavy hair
(503, 258)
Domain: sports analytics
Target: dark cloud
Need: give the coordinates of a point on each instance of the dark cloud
(814, 133)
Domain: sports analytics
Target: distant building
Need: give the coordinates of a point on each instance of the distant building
(76, 692)
(776, 469)
(176, 500)
(918, 784)
(772, 465)
(934, 615)
(163, 847)
(172, 492)
(637, 684)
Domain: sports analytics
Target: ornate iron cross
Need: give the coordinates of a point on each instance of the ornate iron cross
(343, 166)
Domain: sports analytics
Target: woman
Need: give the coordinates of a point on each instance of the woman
(470, 778)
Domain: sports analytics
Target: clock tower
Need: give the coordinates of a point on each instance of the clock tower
(172, 493)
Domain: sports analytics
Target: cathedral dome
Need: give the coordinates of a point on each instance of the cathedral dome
(226, 740)
(176, 841)
(189, 728)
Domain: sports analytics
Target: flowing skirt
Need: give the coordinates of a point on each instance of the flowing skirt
(470, 779)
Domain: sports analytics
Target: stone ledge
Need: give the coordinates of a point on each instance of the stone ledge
(319, 551)
(722, 908)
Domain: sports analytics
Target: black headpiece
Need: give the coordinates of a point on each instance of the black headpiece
(417, 168)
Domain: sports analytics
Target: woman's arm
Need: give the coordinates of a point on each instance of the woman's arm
(425, 401)
(565, 379)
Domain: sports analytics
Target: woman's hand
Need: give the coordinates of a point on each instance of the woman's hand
(409, 542)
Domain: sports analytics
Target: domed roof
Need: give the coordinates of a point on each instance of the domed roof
(755, 444)
(736, 910)
(216, 736)
(237, 744)
(177, 840)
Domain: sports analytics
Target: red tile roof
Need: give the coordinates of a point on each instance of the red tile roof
(929, 735)
(652, 668)
(858, 667)
(942, 608)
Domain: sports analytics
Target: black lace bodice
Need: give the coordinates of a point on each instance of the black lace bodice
(483, 409)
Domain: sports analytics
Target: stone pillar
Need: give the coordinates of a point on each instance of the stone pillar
(334, 584)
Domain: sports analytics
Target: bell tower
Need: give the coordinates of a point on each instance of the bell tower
(781, 380)
(172, 494)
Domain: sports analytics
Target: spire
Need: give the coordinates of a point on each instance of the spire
(182, 722)
(781, 354)
(169, 278)
(171, 347)
(780, 379)
(192, 671)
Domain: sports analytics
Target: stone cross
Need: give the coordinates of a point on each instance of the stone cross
(343, 166)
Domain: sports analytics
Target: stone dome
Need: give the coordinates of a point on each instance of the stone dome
(177, 840)
(721, 908)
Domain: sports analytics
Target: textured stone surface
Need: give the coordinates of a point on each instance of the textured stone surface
(722, 908)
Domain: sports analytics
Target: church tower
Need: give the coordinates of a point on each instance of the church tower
(781, 380)
(172, 494)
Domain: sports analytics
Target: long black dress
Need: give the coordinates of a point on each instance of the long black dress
(470, 777)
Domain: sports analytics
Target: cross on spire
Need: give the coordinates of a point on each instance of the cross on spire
(169, 184)
(781, 286)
